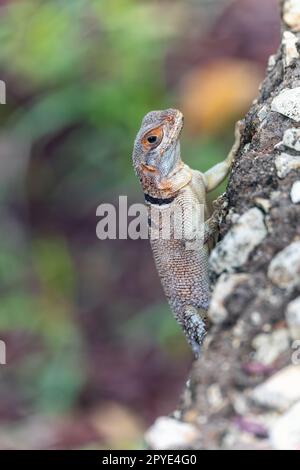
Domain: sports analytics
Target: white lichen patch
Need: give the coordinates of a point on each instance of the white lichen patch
(245, 235)
(264, 204)
(215, 397)
(291, 138)
(269, 346)
(262, 113)
(281, 390)
(291, 14)
(288, 103)
(256, 318)
(289, 42)
(292, 316)
(223, 289)
(271, 62)
(295, 192)
(285, 163)
(169, 434)
(284, 269)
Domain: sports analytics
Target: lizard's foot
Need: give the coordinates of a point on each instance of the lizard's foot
(194, 328)
(238, 132)
(211, 227)
(239, 129)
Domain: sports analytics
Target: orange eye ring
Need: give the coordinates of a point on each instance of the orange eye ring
(153, 138)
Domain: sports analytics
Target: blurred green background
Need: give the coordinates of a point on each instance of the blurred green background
(93, 353)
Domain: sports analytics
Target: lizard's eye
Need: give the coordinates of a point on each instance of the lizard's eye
(153, 138)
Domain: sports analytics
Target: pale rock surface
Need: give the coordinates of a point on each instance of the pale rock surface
(285, 434)
(291, 138)
(281, 390)
(269, 346)
(293, 318)
(284, 269)
(289, 42)
(288, 103)
(226, 283)
(295, 192)
(170, 434)
(285, 163)
(291, 14)
(245, 235)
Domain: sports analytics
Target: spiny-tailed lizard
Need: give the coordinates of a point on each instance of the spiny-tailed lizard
(170, 185)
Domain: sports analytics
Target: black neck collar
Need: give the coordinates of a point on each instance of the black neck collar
(158, 201)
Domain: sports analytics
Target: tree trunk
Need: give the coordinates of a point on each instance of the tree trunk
(244, 392)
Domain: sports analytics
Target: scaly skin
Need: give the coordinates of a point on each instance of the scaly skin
(169, 185)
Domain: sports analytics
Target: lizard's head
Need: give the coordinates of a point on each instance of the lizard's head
(157, 148)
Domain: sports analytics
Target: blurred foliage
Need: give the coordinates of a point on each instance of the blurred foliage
(212, 96)
(82, 58)
(87, 70)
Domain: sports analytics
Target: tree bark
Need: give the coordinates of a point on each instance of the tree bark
(244, 391)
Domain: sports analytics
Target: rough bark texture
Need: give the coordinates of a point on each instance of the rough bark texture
(254, 317)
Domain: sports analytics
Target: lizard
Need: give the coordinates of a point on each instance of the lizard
(169, 183)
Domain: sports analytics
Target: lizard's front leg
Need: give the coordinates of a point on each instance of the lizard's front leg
(215, 175)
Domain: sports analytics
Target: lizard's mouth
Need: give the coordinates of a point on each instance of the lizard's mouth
(148, 168)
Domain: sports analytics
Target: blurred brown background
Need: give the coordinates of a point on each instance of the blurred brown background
(93, 353)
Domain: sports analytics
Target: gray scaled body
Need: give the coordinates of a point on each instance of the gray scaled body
(176, 195)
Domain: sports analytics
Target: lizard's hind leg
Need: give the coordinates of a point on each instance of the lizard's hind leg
(193, 326)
